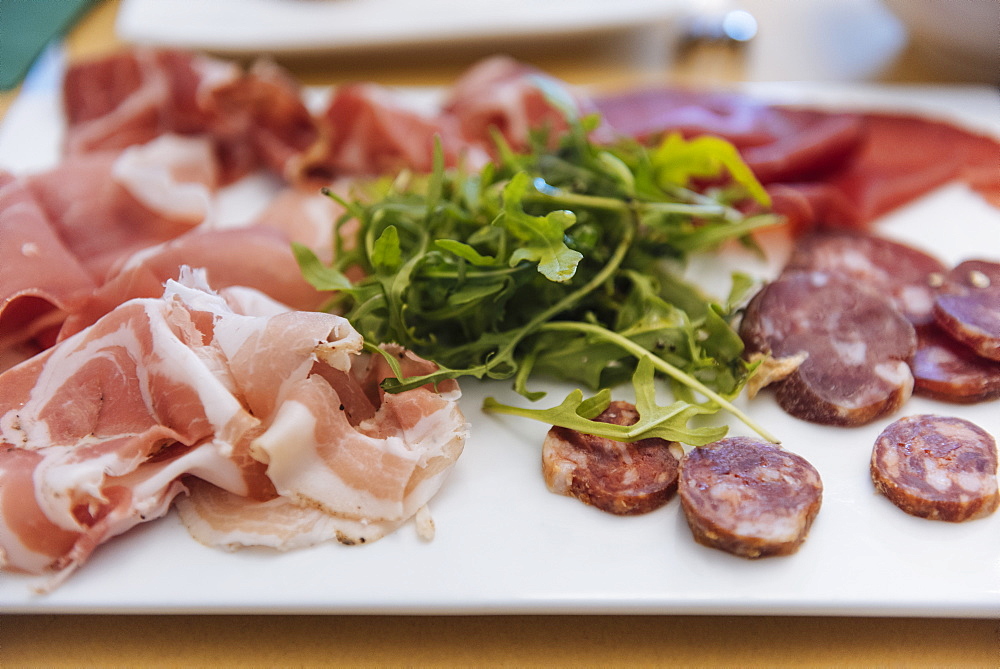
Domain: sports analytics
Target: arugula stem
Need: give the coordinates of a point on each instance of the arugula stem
(566, 302)
(575, 200)
(662, 366)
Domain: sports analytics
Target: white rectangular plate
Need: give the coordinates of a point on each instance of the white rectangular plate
(506, 545)
(299, 26)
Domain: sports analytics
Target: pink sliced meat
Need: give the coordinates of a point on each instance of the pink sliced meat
(857, 347)
(937, 467)
(100, 432)
(947, 370)
(617, 477)
(253, 118)
(41, 280)
(254, 257)
(749, 498)
(105, 206)
(968, 306)
(510, 97)
(370, 131)
(907, 275)
(220, 519)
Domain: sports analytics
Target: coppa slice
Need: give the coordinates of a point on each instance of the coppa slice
(968, 306)
(621, 478)
(937, 467)
(748, 497)
(857, 347)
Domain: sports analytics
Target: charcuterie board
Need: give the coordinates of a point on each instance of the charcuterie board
(506, 545)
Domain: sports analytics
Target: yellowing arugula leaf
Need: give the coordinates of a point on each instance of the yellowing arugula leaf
(541, 237)
(679, 161)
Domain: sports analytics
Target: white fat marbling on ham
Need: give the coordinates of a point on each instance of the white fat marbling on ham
(172, 174)
(104, 430)
(222, 520)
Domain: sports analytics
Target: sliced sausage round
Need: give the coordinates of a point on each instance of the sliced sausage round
(858, 347)
(906, 275)
(749, 497)
(620, 478)
(968, 306)
(947, 370)
(937, 467)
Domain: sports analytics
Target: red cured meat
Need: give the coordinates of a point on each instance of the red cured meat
(968, 306)
(824, 169)
(40, 278)
(937, 467)
(510, 97)
(370, 132)
(107, 205)
(254, 118)
(857, 347)
(749, 498)
(620, 478)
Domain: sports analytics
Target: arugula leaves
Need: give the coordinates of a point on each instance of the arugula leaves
(557, 262)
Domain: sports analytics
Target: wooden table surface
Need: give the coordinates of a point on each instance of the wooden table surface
(363, 641)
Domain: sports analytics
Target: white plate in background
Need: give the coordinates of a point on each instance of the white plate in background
(300, 26)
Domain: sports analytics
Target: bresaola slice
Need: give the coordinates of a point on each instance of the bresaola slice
(856, 345)
(937, 467)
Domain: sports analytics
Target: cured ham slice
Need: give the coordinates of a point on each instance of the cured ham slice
(134, 96)
(253, 257)
(40, 278)
(254, 118)
(220, 519)
(107, 205)
(372, 132)
(100, 431)
(510, 97)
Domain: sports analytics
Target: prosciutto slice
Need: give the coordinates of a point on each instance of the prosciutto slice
(108, 205)
(253, 118)
(254, 257)
(101, 431)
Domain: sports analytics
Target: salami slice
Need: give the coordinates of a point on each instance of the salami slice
(857, 347)
(620, 478)
(947, 370)
(937, 467)
(968, 306)
(906, 275)
(748, 497)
